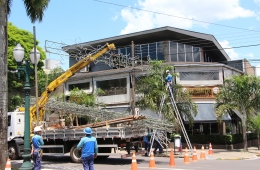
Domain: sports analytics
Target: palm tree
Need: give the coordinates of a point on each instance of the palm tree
(35, 10)
(152, 87)
(242, 95)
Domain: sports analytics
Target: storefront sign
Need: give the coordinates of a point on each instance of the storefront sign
(202, 92)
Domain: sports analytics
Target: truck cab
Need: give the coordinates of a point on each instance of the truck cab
(15, 134)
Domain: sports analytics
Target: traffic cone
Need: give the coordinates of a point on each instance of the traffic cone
(210, 149)
(186, 157)
(152, 161)
(202, 153)
(172, 162)
(134, 163)
(8, 165)
(194, 155)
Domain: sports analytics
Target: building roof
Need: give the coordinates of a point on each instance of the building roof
(208, 42)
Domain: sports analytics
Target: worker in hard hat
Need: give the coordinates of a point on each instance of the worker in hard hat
(89, 147)
(147, 144)
(168, 79)
(37, 142)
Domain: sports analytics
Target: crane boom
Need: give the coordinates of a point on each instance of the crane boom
(64, 77)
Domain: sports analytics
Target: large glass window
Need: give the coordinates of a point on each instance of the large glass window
(80, 86)
(188, 53)
(113, 87)
(181, 52)
(173, 51)
(196, 54)
(160, 50)
(152, 51)
(196, 76)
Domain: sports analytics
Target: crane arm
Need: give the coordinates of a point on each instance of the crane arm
(64, 77)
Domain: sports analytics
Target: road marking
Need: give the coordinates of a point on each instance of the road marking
(165, 168)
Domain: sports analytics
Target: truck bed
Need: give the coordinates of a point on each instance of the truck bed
(111, 132)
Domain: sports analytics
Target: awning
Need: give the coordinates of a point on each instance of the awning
(206, 114)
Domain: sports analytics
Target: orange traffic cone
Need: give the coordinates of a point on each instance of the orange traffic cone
(186, 157)
(202, 153)
(210, 149)
(152, 161)
(8, 165)
(194, 155)
(134, 163)
(172, 162)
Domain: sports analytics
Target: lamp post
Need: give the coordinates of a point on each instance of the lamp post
(18, 53)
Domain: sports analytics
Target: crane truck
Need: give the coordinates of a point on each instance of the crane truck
(62, 141)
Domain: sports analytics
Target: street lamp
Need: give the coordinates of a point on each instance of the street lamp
(18, 53)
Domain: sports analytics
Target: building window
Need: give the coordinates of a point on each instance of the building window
(173, 51)
(152, 51)
(196, 54)
(181, 52)
(113, 87)
(160, 50)
(195, 76)
(80, 86)
(188, 53)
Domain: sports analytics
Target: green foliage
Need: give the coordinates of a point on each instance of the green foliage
(219, 139)
(255, 124)
(153, 87)
(82, 98)
(15, 100)
(45, 79)
(26, 39)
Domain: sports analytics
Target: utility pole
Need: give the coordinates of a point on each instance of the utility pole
(36, 79)
(133, 80)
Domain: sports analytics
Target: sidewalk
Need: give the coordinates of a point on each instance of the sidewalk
(223, 154)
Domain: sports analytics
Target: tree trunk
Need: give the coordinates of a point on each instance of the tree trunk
(258, 143)
(3, 84)
(244, 138)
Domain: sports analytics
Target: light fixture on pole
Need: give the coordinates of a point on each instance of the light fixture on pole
(18, 53)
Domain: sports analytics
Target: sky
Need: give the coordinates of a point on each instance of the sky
(234, 23)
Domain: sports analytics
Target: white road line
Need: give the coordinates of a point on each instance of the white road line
(165, 168)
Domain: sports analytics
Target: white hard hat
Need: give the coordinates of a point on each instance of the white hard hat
(37, 129)
(167, 71)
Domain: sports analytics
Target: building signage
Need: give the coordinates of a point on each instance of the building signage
(201, 92)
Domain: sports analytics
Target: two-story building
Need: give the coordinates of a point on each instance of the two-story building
(198, 59)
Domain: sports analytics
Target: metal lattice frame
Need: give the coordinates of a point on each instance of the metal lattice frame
(99, 114)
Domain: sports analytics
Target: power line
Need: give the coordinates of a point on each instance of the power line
(205, 22)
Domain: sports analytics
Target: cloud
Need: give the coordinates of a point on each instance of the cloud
(257, 2)
(114, 18)
(138, 20)
(250, 55)
(231, 53)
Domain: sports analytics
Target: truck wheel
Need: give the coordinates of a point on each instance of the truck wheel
(75, 154)
(12, 151)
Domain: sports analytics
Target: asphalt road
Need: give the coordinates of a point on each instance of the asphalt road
(162, 163)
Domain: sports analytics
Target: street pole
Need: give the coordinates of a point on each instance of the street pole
(36, 79)
(27, 165)
(133, 80)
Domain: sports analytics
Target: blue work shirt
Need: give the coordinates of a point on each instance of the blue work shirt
(168, 78)
(37, 142)
(89, 146)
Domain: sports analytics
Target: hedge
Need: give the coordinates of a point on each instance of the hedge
(219, 139)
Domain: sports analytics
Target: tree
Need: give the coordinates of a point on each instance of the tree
(254, 124)
(240, 94)
(26, 39)
(35, 11)
(152, 87)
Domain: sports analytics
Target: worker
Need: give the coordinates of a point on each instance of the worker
(147, 144)
(157, 144)
(89, 147)
(168, 80)
(37, 142)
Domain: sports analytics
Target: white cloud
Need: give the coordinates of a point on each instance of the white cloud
(257, 2)
(250, 55)
(138, 20)
(231, 53)
(114, 18)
